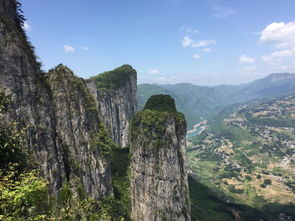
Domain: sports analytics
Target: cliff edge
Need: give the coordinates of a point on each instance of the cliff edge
(159, 185)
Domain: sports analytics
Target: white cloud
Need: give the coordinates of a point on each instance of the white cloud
(186, 41)
(26, 26)
(188, 29)
(68, 48)
(280, 33)
(203, 43)
(246, 60)
(154, 71)
(207, 49)
(85, 48)
(196, 56)
(282, 36)
(284, 53)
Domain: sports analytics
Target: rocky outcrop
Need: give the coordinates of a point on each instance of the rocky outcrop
(24, 83)
(8, 10)
(115, 93)
(68, 122)
(159, 186)
(56, 111)
(82, 137)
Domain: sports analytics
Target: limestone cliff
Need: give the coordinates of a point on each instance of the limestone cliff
(57, 112)
(68, 123)
(115, 93)
(83, 138)
(25, 84)
(159, 186)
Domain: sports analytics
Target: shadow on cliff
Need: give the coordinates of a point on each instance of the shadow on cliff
(120, 167)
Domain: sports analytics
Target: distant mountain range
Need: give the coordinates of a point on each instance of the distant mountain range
(201, 102)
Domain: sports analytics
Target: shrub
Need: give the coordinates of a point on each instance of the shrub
(267, 182)
(23, 198)
(249, 178)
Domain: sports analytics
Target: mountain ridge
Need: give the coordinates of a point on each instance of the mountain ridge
(284, 75)
(76, 133)
(203, 102)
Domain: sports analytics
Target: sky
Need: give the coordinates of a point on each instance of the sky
(203, 42)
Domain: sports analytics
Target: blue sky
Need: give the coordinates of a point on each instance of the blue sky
(204, 42)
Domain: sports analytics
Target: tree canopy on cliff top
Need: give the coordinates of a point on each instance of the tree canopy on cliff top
(161, 102)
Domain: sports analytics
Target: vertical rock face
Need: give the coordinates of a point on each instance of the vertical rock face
(8, 8)
(159, 186)
(23, 82)
(67, 121)
(57, 112)
(82, 137)
(115, 93)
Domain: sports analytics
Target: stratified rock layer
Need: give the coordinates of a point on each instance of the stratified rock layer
(115, 93)
(82, 136)
(59, 115)
(159, 187)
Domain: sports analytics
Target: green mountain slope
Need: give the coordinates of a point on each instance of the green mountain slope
(195, 102)
(145, 91)
(272, 85)
(249, 156)
(207, 206)
(204, 102)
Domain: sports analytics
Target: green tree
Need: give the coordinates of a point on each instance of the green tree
(24, 198)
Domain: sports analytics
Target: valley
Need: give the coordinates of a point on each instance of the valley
(201, 102)
(241, 145)
(248, 156)
(103, 147)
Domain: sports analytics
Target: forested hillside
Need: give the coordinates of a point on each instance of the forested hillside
(248, 155)
(202, 103)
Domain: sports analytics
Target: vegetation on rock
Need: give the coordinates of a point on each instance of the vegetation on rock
(158, 110)
(24, 194)
(120, 159)
(14, 23)
(114, 79)
(160, 103)
(27, 198)
(61, 76)
(12, 149)
(102, 142)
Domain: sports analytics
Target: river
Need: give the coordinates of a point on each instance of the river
(197, 129)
